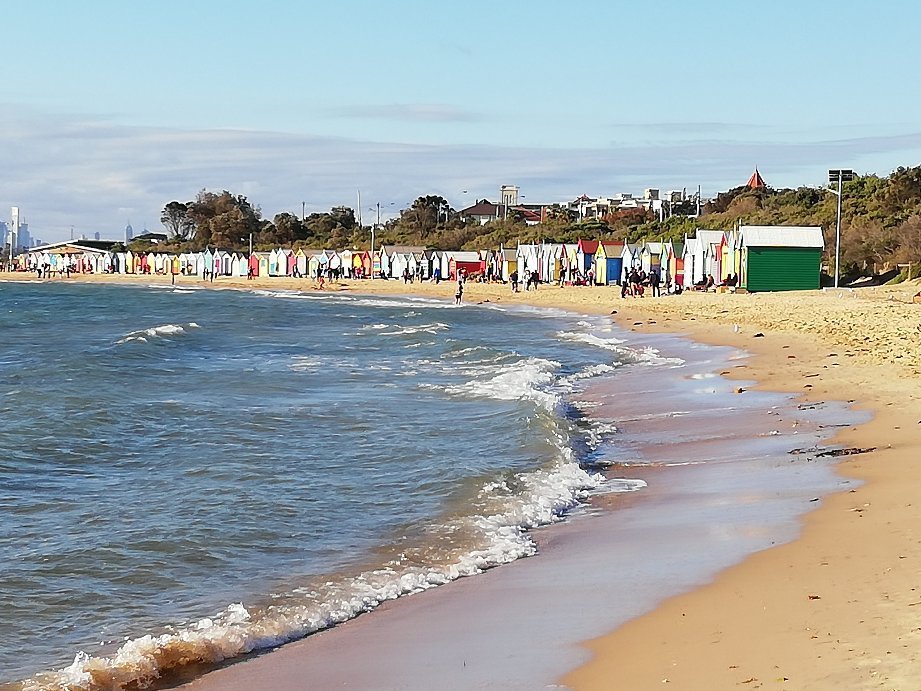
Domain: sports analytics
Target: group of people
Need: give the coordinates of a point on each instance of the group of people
(636, 281)
(531, 280)
(708, 282)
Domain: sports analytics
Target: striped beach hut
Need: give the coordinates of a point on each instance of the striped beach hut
(676, 263)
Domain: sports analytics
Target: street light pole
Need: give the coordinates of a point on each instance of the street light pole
(372, 237)
(838, 235)
(838, 175)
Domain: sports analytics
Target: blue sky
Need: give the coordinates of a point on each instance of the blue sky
(109, 110)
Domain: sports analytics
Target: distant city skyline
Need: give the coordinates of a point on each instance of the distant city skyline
(110, 111)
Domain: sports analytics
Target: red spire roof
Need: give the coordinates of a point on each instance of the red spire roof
(756, 182)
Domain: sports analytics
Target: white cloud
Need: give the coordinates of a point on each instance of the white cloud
(96, 176)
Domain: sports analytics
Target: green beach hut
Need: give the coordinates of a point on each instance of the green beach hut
(777, 258)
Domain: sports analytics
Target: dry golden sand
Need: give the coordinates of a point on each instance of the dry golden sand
(840, 607)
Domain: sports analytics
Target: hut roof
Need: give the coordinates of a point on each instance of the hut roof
(781, 236)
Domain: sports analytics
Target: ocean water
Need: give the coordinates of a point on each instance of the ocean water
(191, 475)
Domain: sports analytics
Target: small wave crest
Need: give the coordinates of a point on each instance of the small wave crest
(504, 511)
(527, 379)
(162, 331)
(591, 339)
(412, 330)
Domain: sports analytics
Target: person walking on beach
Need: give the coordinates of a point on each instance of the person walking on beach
(513, 279)
(459, 294)
(654, 283)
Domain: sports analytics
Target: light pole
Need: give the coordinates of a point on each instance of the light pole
(373, 227)
(303, 211)
(839, 176)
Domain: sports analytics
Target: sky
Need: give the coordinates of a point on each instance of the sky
(110, 110)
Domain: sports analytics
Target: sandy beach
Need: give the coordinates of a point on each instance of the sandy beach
(839, 605)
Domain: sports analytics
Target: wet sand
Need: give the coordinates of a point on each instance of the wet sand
(519, 626)
(835, 607)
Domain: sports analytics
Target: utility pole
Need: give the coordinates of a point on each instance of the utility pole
(838, 175)
(372, 237)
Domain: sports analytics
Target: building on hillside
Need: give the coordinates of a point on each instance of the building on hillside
(482, 212)
(153, 238)
(756, 182)
(508, 194)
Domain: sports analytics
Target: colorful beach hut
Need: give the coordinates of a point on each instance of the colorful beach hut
(609, 263)
(780, 257)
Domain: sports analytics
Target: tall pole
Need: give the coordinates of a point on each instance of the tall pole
(303, 211)
(372, 237)
(251, 244)
(838, 231)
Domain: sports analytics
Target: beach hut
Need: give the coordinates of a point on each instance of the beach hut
(585, 255)
(651, 257)
(345, 261)
(777, 258)
(301, 261)
(468, 262)
(690, 268)
(205, 262)
(333, 261)
(676, 263)
(223, 263)
(550, 262)
(278, 264)
(713, 259)
(630, 260)
(528, 259)
(608, 262)
(399, 262)
(361, 264)
(704, 254)
(508, 263)
(263, 260)
(239, 265)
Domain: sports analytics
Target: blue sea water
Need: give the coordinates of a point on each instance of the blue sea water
(196, 474)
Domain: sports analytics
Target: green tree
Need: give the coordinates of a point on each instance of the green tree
(178, 223)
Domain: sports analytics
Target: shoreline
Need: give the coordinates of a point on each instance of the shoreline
(826, 608)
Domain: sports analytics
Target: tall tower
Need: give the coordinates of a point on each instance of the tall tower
(129, 233)
(509, 195)
(14, 228)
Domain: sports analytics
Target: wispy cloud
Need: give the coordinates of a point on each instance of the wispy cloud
(408, 112)
(96, 176)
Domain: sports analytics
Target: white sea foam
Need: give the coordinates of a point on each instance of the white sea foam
(162, 331)
(589, 372)
(598, 431)
(527, 379)
(591, 339)
(526, 501)
(305, 363)
(423, 328)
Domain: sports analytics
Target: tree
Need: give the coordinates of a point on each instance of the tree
(178, 223)
(224, 219)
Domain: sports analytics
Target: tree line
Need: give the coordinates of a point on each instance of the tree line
(881, 222)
